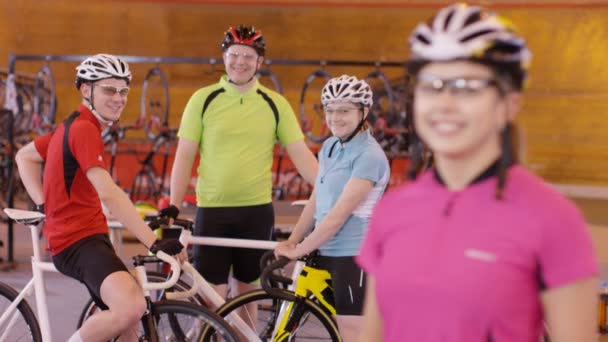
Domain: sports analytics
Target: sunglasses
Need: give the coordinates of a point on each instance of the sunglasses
(340, 111)
(110, 90)
(246, 56)
(463, 86)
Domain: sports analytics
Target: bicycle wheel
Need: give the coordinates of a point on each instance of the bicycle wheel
(384, 98)
(153, 277)
(25, 103)
(307, 321)
(313, 124)
(278, 87)
(184, 321)
(154, 102)
(45, 101)
(22, 326)
(143, 186)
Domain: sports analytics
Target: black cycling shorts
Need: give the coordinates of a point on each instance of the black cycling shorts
(251, 222)
(90, 260)
(348, 282)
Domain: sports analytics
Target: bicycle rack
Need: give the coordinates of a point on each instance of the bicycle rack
(16, 113)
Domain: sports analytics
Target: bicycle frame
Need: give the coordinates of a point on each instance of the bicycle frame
(32, 219)
(311, 283)
(37, 281)
(305, 285)
(201, 286)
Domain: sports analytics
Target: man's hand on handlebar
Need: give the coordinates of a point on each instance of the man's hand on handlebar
(171, 247)
(171, 212)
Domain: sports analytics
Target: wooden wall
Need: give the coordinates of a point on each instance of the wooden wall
(565, 107)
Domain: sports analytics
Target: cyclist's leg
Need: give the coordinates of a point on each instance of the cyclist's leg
(213, 263)
(348, 282)
(126, 304)
(94, 262)
(256, 223)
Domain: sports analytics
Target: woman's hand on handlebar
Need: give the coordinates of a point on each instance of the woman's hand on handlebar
(287, 249)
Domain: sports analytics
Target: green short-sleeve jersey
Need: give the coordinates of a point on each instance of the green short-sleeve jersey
(236, 133)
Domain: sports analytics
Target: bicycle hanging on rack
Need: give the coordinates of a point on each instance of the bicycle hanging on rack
(384, 98)
(154, 117)
(154, 111)
(111, 136)
(148, 184)
(42, 119)
(276, 82)
(313, 124)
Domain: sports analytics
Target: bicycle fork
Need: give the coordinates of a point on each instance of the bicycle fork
(310, 281)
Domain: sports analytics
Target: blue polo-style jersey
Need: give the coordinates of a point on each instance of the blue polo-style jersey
(362, 158)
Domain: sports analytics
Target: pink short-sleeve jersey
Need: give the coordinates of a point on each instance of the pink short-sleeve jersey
(464, 266)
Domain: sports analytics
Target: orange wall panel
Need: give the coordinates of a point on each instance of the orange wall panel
(564, 106)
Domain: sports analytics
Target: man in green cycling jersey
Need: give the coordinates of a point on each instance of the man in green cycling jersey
(233, 125)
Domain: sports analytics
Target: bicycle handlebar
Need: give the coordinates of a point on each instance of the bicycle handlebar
(175, 273)
(155, 222)
(267, 274)
(190, 271)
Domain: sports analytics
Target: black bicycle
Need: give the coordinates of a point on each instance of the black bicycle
(111, 137)
(148, 184)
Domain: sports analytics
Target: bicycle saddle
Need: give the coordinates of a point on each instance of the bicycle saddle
(24, 216)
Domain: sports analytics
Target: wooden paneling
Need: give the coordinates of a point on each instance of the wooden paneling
(565, 104)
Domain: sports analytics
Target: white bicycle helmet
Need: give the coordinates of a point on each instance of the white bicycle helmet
(347, 88)
(102, 66)
(461, 31)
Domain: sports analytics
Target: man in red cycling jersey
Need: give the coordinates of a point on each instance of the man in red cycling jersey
(76, 182)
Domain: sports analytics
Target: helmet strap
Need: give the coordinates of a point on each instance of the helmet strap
(249, 80)
(99, 117)
(356, 130)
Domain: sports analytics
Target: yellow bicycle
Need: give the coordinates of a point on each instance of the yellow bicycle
(306, 313)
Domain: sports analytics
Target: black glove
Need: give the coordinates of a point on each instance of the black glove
(39, 208)
(169, 246)
(170, 211)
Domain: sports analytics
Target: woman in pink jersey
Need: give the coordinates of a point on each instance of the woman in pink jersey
(477, 249)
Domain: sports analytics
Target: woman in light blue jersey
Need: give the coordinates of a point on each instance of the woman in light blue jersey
(353, 173)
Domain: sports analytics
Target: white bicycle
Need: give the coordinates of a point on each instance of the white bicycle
(311, 322)
(165, 320)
